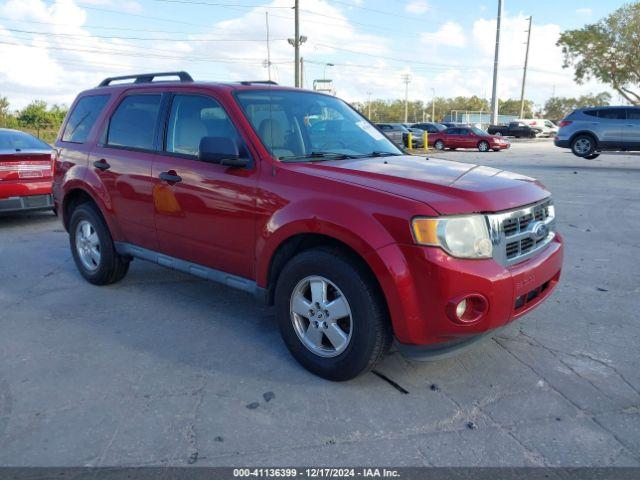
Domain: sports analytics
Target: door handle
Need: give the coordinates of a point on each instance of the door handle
(170, 177)
(101, 164)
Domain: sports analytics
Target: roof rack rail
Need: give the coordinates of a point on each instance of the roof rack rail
(252, 82)
(147, 77)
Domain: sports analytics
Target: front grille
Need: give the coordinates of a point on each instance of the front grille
(518, 234)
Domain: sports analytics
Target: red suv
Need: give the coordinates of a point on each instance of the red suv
(357, 244)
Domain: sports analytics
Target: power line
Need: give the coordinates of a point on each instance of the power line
(139, 38)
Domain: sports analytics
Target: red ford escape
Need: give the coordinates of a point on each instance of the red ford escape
(295, 197)
(25, 172)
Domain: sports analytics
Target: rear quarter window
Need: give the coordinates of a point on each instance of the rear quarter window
(83, 117)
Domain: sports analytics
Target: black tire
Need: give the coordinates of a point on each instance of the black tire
(370, 328)
(583, 145)
(438, 145)
(111, 267)
(592, 156)
(483, 146)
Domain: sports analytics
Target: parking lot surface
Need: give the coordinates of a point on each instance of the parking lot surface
(167, 369)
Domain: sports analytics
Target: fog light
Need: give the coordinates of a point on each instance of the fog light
(461, 308)
(467, 309)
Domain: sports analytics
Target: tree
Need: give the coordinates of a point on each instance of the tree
(608, 51)
(35, 115)
(512, 107)
(7, 119)
(556, 108)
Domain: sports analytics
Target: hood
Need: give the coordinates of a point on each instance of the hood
(448, 187)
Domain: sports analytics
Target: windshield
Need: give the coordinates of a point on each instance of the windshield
(14, 140)
(307, 126)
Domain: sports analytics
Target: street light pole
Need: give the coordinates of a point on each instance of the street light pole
(433, 105)
(406, 78)
(494, 92)
(524, 73)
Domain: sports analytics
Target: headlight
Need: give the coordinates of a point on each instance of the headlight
(463, 237)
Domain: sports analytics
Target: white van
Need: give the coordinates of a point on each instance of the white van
(548, 128)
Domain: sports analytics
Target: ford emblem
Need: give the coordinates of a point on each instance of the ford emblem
(539, 230)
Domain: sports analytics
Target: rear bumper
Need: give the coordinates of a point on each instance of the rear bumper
(422, 283)
(561, 143)
(27, 203)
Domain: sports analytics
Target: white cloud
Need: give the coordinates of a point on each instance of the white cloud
(417, 6)
(584, 11)
(450, 34)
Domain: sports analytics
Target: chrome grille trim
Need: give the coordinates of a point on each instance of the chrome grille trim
(512, 232)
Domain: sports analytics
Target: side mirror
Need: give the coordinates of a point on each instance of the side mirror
(221, 150)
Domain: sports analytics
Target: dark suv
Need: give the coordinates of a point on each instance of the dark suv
(295, 197)
(588, 131)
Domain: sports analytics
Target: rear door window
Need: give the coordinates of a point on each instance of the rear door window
(83, 117)
(133, 124)
(612, 113)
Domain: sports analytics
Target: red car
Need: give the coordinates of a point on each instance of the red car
(25, 172)
(467, 137)
(356, 244)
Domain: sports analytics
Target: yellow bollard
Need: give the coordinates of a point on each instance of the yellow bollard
(410, 141)
(425, 140)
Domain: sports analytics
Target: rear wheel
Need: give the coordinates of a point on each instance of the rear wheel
(483, 146)
(439, 145)
(583, 146)
(331, 315)
(92, 247)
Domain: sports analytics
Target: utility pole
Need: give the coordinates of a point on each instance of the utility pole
(433, 105)
(268, 47)
(296, 42)
(494, 92)
(406, 78)
(296, 47)
(524, 73)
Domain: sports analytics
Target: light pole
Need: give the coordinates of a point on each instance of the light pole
(494, 92)
(296, 42)
(324, 72)
(406, 78)
(433, 104)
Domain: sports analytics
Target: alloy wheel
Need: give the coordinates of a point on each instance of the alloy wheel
(321, 316)
(88, 245)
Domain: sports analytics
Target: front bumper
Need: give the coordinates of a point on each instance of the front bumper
(423, 281)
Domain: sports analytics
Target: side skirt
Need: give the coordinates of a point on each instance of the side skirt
(211, 274)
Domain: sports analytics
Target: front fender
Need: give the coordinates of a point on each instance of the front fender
(347, 223)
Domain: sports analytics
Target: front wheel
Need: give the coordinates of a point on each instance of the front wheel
(92, 247)
(439, 145)
(331, 315)
(483, 146)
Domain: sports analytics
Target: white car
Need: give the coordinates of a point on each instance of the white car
(548, 128)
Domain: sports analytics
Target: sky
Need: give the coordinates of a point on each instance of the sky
(53, 49)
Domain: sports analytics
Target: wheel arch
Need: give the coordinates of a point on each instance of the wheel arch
(77, 196)
(584, 132)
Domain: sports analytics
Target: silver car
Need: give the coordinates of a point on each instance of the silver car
(589, 131)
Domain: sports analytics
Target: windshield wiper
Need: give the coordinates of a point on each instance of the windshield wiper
(316, 157)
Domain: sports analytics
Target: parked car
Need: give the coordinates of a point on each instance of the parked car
(454, 124)
(25, 172)
(547, 127)
(356, 244)
(429, 127)
(589, 131)
(467, 137)
(514, 129)
(398, 133)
